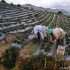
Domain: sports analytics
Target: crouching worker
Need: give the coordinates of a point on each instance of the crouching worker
(40, 31)
(56, 34)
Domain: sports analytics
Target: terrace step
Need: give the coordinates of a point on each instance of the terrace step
(21, 31)
(26, 42)
(13, 25)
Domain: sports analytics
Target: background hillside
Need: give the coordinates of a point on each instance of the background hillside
(46, 9)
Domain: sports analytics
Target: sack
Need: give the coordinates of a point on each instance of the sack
(32, 32)
(45, 35)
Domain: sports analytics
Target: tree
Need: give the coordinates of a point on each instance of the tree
(18, 5)
(3, 1)
(12, 4)
(31, 8)
(59, 12)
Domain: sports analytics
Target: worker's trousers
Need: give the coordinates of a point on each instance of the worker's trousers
(37, 36)
(60, 42)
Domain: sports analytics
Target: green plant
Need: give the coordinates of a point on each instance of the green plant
(42, 45)
(50, 58)
(47, 49)
(10, 60)
(28, 66)
(18, 5)
(39, 58)
(3, 1)
(62, 63)
(68, 50)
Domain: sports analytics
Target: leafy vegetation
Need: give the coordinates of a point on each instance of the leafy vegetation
(9, 61)
(68, 49)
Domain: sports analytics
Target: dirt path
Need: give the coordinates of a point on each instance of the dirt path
(24, 50)
(28, 49)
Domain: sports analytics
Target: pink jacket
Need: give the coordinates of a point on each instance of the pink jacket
(41, 30)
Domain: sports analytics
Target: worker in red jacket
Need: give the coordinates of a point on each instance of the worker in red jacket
(21, 9)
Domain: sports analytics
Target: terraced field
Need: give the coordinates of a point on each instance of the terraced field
(16, 27)
(14, 21)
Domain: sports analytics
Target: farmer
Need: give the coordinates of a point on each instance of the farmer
(40, 31)
(34, 17)
(21, 9)
(57, 34)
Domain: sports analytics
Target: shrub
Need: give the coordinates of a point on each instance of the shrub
(10, 60)
(68, 49)
(59, 12)
(18, 5)
(3, 1)
(50, 58)
(39, 58)
(15, 41)
(12, 4)
(42, 44)
(28, 66)
(47, 49)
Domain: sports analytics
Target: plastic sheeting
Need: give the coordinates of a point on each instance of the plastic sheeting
(3, 36)
(16, 45)
(20, 31)
(13, 25)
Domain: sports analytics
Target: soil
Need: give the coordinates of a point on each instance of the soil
(4, 45)
(11, 37)
(24, 50)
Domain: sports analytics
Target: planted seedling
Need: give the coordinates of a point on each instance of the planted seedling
(42, 45)
(68, 50)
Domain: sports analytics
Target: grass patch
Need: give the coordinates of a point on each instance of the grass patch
(32, 48)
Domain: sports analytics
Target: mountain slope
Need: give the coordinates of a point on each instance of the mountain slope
(56, 11)
(46, 9)
(34, 7)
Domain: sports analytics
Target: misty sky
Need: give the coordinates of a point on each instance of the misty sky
(59, 4)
